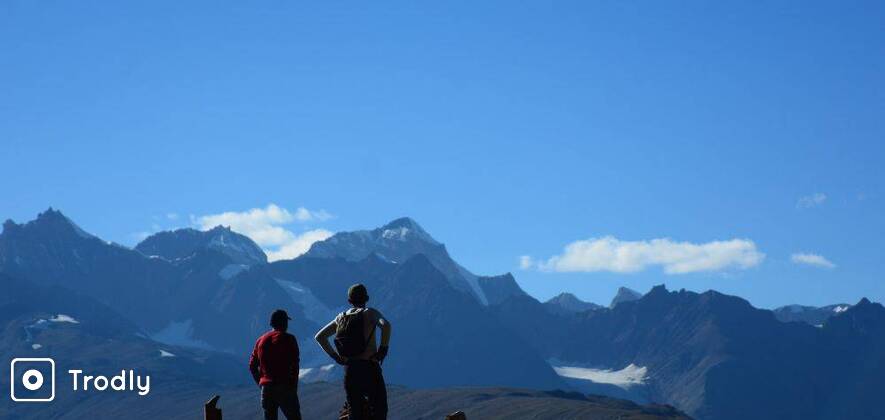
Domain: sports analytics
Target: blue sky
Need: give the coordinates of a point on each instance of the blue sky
(505, 129)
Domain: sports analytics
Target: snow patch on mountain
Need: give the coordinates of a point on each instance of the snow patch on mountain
(630, 376)
(231, 270)
(840, 309)
(64, 318)
(397, 234)
(314, 309)
(180, 334)
(384, 258)
(164, 353)
(42, 324)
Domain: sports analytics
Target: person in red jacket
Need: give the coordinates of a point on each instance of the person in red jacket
(274, 366)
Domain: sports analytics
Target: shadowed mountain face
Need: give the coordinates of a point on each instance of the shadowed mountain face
(198, 293)
(25, 300)
(53, 251)
(717, 357)
(81, 333)
(500, 288)
(203, 299)
(453, 331)
(624, 295)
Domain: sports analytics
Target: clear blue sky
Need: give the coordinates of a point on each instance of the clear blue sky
(505, 128)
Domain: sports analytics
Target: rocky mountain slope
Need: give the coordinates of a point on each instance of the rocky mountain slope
(205, 296)
(713, 355)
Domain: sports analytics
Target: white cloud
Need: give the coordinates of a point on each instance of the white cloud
(172, 216)
(266, 226)
(304, 215)
(298, 245)
(812, 200)
(611, 254)
(526, 262)
(811, 259)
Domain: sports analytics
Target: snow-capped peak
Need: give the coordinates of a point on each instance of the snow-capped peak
(398, 240)
(182, 243)
(399, 234)
(405, 228)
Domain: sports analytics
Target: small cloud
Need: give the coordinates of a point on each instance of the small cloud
(300, 244)
(812, 260)
(614, 255)
(526, 262)
(266, 226)
(813, 200)
(172, 216)
(304, 215)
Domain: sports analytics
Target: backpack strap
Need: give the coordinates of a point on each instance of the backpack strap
(374, 325)
(371, 334)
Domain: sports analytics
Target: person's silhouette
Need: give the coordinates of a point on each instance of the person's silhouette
(356, 349)
(274, 366)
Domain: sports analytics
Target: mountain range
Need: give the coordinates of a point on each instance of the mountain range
(204, 296)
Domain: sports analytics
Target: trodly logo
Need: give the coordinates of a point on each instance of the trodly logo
(125, 381)
(32, 379)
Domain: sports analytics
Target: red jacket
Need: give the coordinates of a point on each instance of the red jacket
(275, 359)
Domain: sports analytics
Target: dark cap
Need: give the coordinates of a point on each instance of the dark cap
(279, 317)
(357, 294)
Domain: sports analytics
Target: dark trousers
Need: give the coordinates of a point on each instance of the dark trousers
(364, 384)
(275, 398)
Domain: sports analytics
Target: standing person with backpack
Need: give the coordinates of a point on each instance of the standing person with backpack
(357, 350)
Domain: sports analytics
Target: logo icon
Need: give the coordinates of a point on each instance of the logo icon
(32, 379)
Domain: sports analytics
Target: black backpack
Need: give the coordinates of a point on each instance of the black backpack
(349, 338)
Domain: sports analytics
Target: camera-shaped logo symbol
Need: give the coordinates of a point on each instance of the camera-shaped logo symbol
(32, 379)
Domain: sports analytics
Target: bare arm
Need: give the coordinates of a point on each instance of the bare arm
(385, 338)
(385, 331)
(322, 338)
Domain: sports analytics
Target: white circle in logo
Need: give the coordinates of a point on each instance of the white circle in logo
(32, 380)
